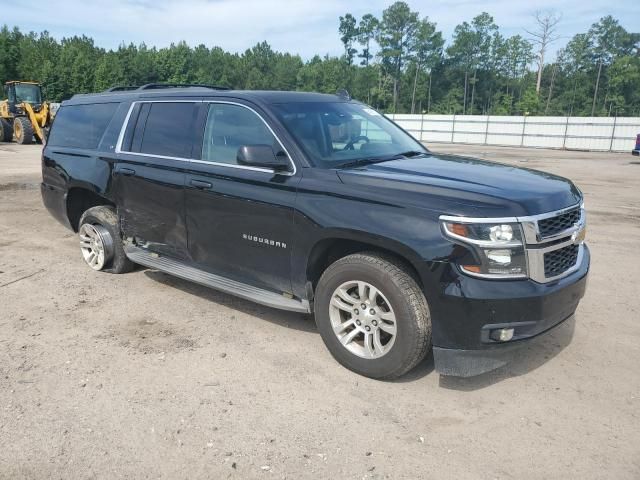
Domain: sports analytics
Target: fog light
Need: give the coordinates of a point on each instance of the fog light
(502, 334)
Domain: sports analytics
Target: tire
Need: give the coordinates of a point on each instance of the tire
(6, 131)
(391, 293)
(99, 225)
(23, 130)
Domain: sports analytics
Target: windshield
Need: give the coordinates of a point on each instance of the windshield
(339, 134)
(26, 92)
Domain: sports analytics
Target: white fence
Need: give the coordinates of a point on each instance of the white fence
(616, 134)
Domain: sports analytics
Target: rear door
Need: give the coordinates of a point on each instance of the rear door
(153, 154)
(239, 218)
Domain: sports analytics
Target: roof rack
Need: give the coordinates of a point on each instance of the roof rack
(121, 88)
(153, 86)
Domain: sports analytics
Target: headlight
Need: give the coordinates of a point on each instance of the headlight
(498, 247)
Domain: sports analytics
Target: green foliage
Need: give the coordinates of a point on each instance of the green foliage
(397, 32)
(349, 33)
(367, 31)
(396, 63)
(529, 103)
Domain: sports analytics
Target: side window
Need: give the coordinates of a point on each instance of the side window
(168, 130)
(81, 126)
(228, 128)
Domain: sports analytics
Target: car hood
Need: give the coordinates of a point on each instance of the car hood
(478, 187)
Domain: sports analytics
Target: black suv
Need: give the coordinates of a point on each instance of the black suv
(319, 204)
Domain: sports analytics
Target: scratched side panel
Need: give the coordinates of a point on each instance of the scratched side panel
(151, 203)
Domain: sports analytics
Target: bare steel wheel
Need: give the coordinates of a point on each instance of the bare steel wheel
(363, 320)
(96, 245)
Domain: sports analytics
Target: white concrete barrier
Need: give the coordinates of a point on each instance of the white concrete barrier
(615, 134)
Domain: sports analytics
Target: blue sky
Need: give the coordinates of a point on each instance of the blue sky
(304, 27)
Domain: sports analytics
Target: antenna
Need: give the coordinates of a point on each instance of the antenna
(343, 94)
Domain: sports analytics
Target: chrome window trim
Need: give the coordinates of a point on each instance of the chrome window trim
(127, 119)
(534, 246)
(123, 128)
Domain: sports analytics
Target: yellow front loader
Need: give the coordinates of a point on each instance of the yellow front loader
(24, 114)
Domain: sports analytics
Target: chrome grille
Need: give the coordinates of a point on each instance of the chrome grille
(554, 225)
(559, 261)
(554, 243)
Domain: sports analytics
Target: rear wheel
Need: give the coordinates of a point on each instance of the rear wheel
(372, 315)
(23, 130)
(6, 131)
(100, 241)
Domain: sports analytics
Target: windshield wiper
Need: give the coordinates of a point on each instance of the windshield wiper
(360, 162)
(369, 161)
(410, 154)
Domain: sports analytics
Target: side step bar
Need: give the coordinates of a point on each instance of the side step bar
(143, 257)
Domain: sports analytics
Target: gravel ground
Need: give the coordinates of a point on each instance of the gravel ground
(147, 376)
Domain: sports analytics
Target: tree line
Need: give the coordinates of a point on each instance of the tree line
(398, 63)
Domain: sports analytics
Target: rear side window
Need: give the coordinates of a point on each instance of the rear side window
(81, 126)
(168, 130)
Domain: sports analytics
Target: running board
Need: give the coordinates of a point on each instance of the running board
(174, 267)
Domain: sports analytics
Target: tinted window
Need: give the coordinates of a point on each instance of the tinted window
(81, 126)
(228, 128)
(169, 130)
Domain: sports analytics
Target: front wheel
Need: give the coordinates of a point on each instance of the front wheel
(372, 315)
(23, 130)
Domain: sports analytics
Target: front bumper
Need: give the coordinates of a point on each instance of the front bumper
(468, 309)
(469, 363)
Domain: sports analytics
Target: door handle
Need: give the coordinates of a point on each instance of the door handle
(127, 171)
(200, 184)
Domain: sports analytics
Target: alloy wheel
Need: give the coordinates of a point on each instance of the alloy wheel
(96, 245)
(363, 319)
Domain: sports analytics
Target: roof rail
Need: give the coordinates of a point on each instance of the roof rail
(121, 88)
(153, 86)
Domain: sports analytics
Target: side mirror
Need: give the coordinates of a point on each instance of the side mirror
(261, 156)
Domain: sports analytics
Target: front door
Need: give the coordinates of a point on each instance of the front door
(150, 173)
(239, 219)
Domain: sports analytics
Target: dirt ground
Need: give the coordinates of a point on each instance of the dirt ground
(148, 376)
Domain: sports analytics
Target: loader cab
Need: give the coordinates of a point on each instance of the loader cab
(19, 92)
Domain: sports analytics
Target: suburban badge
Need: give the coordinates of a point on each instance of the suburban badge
(265, 241)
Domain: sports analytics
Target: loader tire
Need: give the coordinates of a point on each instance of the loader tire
(23, 130)
(6, 131)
